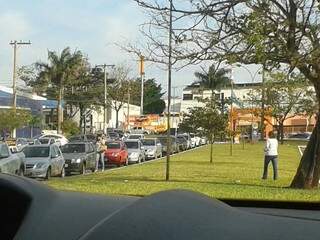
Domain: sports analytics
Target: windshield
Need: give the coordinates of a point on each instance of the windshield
(149, 142)
(73, 148)
(132, 145)
(76, 138)
(36, 152)
(134, 136)
(113, 145)
(241, 70)
(44, 140)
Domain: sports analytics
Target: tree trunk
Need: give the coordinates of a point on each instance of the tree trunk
(308, 172)
(211, 149)
(31, 131)
(59, 111)
(81, 117)
(117, 117)
(281, 128)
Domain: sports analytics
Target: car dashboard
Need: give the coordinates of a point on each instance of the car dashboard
(31, 210)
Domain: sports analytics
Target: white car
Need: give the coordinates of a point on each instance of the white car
(60, 139)
(136, 136)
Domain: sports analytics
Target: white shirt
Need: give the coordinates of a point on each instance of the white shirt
(271, 147)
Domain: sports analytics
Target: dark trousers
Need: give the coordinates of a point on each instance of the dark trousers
(274, 160)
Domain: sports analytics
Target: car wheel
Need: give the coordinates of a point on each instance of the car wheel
(83, 169)
(63, 172)
(48, 174)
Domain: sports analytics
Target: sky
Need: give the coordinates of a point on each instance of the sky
(92, 26)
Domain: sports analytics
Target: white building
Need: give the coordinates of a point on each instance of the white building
(95, 118)
(192, 94)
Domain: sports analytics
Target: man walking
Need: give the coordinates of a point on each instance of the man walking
(271, 155)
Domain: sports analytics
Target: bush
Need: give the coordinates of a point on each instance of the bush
(70, 128)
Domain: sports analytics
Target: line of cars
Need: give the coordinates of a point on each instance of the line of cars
(54, 155)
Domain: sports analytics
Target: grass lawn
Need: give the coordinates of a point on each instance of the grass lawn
(237, 176)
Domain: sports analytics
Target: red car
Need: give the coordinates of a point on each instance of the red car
(116, 153)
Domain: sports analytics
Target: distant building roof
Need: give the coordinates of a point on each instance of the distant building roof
(236, 85)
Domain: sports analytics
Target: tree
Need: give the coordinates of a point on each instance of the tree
(153, 104)
(118, 89)
(213, 79)
(207, 120)
(11, 119)
(34, 121)
(273, 33)
(70, 128)
(285, 97)
(53, 77)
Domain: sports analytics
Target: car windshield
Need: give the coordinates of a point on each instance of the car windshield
(113, 145)
(44, 140)
(241, 70)
(76, 138)
(134, 136)
(132, 145)
(149, 142)
(36, 152)
(73, 148)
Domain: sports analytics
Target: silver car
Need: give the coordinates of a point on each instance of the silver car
(153, 148)
(44, 161)
(9, 162)
(136, 151)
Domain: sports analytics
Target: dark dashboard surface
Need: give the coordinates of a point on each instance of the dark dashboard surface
(30, 210)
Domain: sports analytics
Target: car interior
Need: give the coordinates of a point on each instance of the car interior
(31, 210)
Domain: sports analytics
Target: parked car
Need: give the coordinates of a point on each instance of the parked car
(195, 140)
(79, 156)
(49, 141)
(174, 144)
(300, 136)
(116, 153)
(44, 161)
(12, 163)
(188, 138)
(61, 140)
(114, 136)
(83, 138)
(153, 147)
(136, 151)
(21, 143)
(182, 142)
(17, 144)
(203, 141)
(136, 136)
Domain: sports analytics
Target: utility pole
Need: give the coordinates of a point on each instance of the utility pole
(105, 110)
(15, 43)
(231, 120)
(142, 74)
(173, 103)
(169, 94)
(128, 110)
(262, 104)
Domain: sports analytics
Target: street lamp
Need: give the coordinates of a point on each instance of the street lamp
(253, 76)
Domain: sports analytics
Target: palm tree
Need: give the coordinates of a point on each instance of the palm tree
(59, 73)
(213, 79)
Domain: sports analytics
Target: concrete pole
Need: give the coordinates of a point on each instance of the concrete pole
(169, 95)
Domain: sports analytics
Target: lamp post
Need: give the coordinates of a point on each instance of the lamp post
(253, 76)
